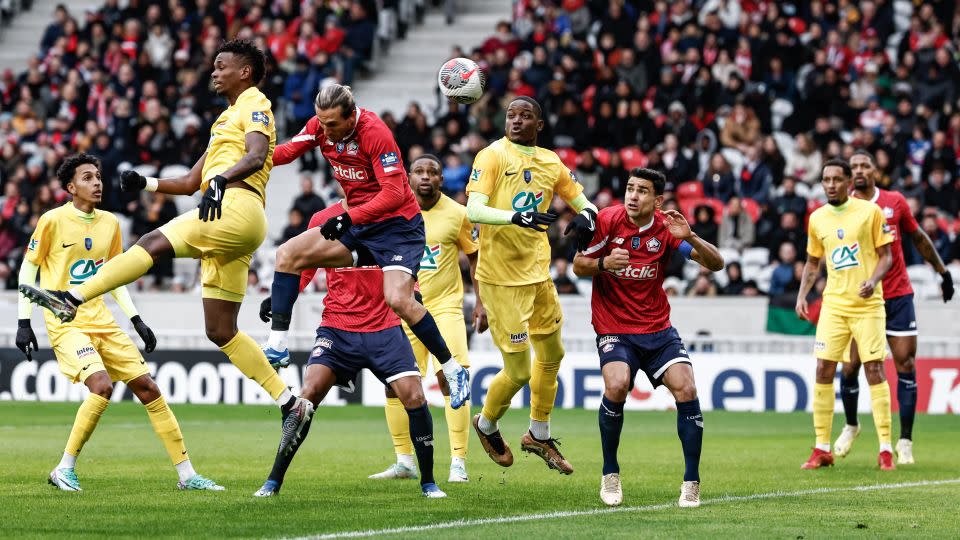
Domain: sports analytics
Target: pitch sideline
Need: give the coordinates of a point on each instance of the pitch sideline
(599, 511)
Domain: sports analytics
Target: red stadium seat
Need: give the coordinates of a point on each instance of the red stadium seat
(752, 208)
(602, 155)
(688, 208)
(632, 156)
(568, 156)
(690, 190)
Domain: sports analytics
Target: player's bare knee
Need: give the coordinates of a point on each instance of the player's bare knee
(287, 258)
(874, 372)
(906, 364)
(220, 336)
(145, 388)
(389, 392)
(102, 388)
(617, 389)
(686, 392)
(411, 395)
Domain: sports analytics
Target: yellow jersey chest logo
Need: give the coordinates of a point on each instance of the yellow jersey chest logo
(431, 257)
(83, 269)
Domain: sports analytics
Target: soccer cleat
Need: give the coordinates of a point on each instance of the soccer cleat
(458, 473)
(885, 460)
(396, 471)
(459, 383)
(293, 423)
(270, 489)
(55, 301)
(432, 491)
(199, 483)
(689, 494)
(548, 451)
(277, 359)
(845, 441)
(610, 491)
(64, 479)
(818, 459)
(495, 446)
(904, 452)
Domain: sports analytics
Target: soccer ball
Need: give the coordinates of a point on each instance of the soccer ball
(461, 80)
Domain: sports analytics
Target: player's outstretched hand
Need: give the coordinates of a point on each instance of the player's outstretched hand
(584, 225)
(131, 180)
(211, 205)
(531, 219)
(26, 338)
(265, 307)
(336, 227)
(677, 224)
(802, 308)
(145, 333)
(946, 286)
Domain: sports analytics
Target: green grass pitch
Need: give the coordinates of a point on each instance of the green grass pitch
(130, 486)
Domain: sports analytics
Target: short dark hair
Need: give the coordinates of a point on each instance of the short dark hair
(862, 152)
(68, 168)
(536, 106)
(837, 162)
(656, 177)
(250, 53)
(431, 157)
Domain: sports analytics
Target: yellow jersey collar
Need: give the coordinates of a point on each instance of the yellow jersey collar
(841, 208)
(249, 92)
(85, 217)
(529, 150)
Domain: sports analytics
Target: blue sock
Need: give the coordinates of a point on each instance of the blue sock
(282, 462)
(421, 433)
(283, 293)
(907, 396)
(690, 430)
(427, 332)
(850, 396)
(611, 424)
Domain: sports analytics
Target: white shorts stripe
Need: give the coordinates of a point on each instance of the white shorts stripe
(900, 333)
(663, 369)
(397, 267)
(403, 374)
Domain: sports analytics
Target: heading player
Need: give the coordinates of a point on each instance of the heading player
(231, 224)
(628, 260)
(68, 247)
(358, 331)
(449, 232)
(898, 304)
(383, 218)
(511, 187)
(851, 235)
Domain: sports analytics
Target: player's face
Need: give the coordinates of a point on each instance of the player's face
(836, 185)
(336, 127)
(863, 172)
(522, 123)
(228, 73)
(640, 199)
(86, 185)
(426, 177)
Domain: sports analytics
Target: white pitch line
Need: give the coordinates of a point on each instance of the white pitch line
(599, 511)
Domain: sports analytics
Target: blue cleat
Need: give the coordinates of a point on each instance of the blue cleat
(432, 491)
(277, 359)
(271, 488)
(458, 379)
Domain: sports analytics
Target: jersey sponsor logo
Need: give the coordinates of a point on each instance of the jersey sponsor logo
(83, 270)
(608, 340)
(647, 271)
(819, 346)
(475, 174)
(320, 345)
(88, 243)
(259, 117)
(519, 338)
(33, 244)
(527, 201)
(390, 162)
(653, 245)
(86, 351)
(527, 176)
(343, 172)
(431, 256)
(845, 257)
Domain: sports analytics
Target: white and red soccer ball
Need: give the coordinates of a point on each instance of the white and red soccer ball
(462, 80)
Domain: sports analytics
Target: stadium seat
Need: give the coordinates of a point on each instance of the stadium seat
(729, 255)
(632, 157)
(690, 190)
(752, 209)
(689, 206)
(568, 156)
(602, 155)
(755, 256)
(924, 281)
(764, 277)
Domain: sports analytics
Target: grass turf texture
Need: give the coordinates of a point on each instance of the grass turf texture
(130, 486)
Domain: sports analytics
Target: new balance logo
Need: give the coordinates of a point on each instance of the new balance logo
(397, 258)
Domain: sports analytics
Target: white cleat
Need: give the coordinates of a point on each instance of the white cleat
(689, 495)
(845, 441)
(64, 479)
(397, 471)
(611, 493)
(458, 473)
(904, 452)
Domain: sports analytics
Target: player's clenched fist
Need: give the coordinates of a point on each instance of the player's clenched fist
(618, 259)
(336, 227)
(131, 180)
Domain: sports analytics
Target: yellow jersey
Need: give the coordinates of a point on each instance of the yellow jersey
(70, 250)
(448, 233)
(250, 113)
(847, 237)
(517, 178)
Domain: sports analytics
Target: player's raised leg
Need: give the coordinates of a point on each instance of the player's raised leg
(679, 380)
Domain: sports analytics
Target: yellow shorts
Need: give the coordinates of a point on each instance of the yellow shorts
(454, 332)
(81, 354)
(515, 312)
(834, 332)
(224, 246)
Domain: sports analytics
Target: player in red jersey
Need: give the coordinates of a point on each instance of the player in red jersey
(384, 218)
(359, 331)
(898, 303)
(628, 258)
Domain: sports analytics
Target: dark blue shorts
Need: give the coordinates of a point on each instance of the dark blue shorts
(901, 316)
(387, 354)
(395, 243)
(650, 353)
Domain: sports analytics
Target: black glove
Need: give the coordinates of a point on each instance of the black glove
(146, 334)
(584, 225)
(265, 307)
(210, 208)
(131, 180)
(531, 219)
(26, 338)
(946, 286)
(336, 227)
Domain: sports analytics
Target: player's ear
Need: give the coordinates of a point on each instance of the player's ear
(540, 125)
(658, 202)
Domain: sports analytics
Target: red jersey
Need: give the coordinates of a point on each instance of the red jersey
(632, 300)
(354, 300)
(367, 164)
(900, 220)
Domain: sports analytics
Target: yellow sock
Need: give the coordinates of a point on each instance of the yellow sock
(166, 426)
(824, 401)
(548, 353)
(244, 352)
(87, 417)
(120, 270)
(880, 403)
(515, 374)
(458, 423)
(399, 425)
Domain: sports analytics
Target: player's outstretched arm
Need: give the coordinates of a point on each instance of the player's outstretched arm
(926, 248)
(188, 184)
(702, 251)
(479, 212)
(811, 271)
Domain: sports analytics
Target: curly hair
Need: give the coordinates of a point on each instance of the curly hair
(250, 53)
(68, 168)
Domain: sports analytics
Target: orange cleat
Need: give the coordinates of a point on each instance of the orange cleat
(885, 460)
(818, 459)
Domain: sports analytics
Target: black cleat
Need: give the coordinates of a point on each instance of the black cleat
(60, 303)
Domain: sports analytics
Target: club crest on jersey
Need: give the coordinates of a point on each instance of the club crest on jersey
(635, 242)
(653, 245)
(840, 234)
(340, 147)
(525, 201)
(83, 270)
(260, 117)
(319, 345)
(353, 148)
(431, 256)
(88, 243)
(527, 176)
(887, 212)
(845, 257)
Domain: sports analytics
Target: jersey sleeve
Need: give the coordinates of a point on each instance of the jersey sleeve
(309, 137)
(908, 224)
(256, 117)
(39, 244)
(879, 228)
(600, 237)
(485, 173)
(116, 246)
(814, 245)
(567, 186)
(466, 240)
(379, 144)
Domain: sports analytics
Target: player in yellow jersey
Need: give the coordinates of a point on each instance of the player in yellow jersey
(230, 226)
(448, 232)
(852, 237)
(68, 247)
(511, 186)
